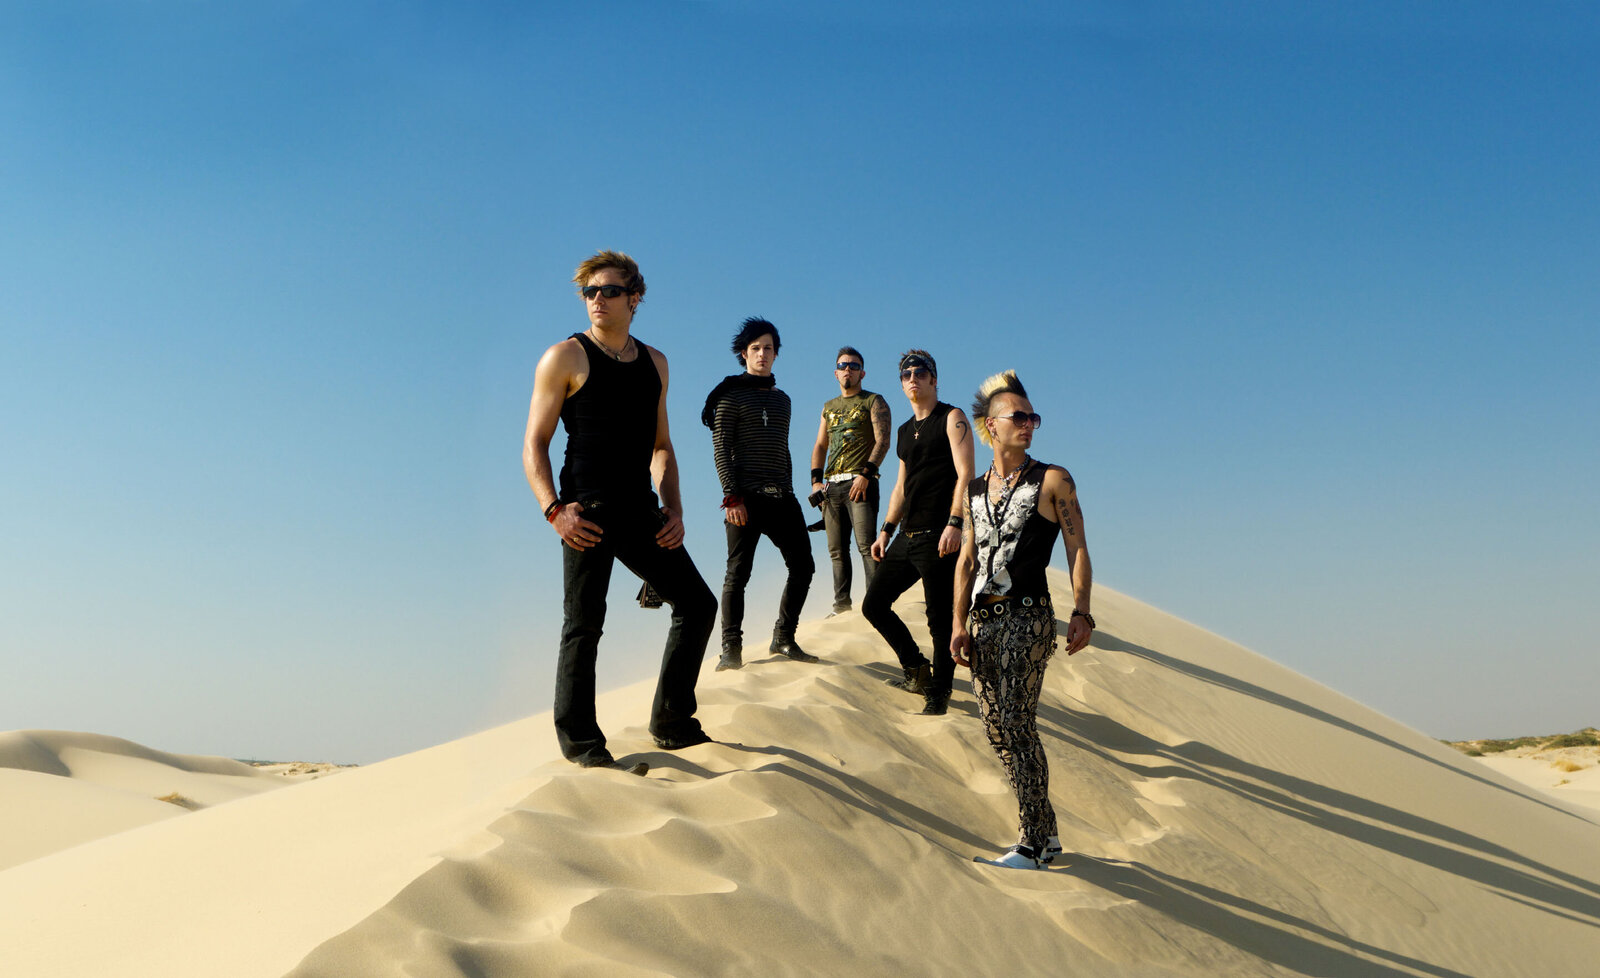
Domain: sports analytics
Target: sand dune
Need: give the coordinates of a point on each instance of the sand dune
(1222, 815)
(67, 788)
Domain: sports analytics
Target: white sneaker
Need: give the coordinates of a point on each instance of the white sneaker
(1052, 849)
(1017, 857)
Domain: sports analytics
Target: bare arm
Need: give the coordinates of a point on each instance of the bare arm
(559, 374)
(664, 465)
(960, 433)
(966, 564)
(819, 451)
(897, 505)
(880, 431)
(1061, 498)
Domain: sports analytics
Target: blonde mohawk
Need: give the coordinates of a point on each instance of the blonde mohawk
(1005, 382)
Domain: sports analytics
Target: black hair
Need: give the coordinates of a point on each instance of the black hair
(851, 351)
(753, 329)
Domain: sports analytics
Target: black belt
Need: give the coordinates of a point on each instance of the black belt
(1000, 605)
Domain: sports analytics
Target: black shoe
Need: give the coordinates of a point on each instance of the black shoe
(917, 680)
(787, 648)
(730, 659)
(935, 702)
(680, 741)
(601, 758)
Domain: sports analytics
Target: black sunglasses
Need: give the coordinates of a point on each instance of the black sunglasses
(918, 372)
(609, 291)
(1022, 419)
(846, 365)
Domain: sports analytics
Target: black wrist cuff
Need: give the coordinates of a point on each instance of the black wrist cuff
(816, 475)
(958, 522)
(869, 470)
(887, 528)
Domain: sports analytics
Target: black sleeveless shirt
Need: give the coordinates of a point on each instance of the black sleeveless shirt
(1012, 561)
(924, 449)
(611, 427)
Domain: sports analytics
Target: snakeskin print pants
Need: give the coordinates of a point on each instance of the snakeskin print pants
(1009, 655)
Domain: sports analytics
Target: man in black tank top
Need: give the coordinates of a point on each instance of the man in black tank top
(749, 420)
(935, 451)
(598, 384)
(1004, 621)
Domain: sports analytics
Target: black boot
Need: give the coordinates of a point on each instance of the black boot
(935, 701)
(786, 646)
(732, 656)
(917, 680)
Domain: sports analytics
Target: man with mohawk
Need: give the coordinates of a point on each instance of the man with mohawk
(1004, 625)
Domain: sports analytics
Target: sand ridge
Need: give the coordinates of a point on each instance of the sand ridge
(1223, 816)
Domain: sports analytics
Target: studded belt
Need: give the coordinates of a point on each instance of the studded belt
(1000, 605)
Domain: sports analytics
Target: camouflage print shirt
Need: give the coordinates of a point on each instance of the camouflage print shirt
(850, 438)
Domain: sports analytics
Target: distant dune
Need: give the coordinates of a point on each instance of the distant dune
(1222, 816)
(65, 788)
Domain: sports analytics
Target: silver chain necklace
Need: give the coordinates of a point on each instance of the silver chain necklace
(613, 353)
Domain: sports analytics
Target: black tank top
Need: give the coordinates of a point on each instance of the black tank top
(611, 427)
(924, 448)
(1012, 561)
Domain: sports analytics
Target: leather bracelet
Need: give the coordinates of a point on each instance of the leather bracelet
(553, 510)
(887, 527)
(816, 475)
(1085, 616)
(958, 522)
(869, 470)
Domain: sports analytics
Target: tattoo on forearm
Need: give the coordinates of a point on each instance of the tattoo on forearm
(1064, 512)
(880, 431)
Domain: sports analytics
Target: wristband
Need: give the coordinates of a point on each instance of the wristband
(958, 522)
(887, 527)
(732, 500)
(816, 475)
(869, 470)
(1085, 616)
(553, 510)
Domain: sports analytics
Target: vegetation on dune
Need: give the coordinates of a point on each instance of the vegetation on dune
(1587, 737)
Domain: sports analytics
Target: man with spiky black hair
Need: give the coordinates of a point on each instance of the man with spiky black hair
(749, 420)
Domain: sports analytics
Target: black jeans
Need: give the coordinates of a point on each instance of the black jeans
(780, 520)
(629, 536)
(911, 556)
(842, 515)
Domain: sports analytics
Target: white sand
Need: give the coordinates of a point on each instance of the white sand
(1568, 774)
(65, 788)
(1223, 817)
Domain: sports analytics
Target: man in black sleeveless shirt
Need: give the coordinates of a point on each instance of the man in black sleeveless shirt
(599, 383)
(935, 451)
(749, 420)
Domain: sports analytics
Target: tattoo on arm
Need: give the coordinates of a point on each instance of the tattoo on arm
(961, 431)
(1066, 508)
(880, 431)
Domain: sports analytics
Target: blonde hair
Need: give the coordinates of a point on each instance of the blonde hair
(1005, 382)
(632, 280)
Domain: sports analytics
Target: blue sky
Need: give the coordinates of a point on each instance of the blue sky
(1307, 296)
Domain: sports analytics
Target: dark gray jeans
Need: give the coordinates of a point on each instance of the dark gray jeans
(841, 516)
